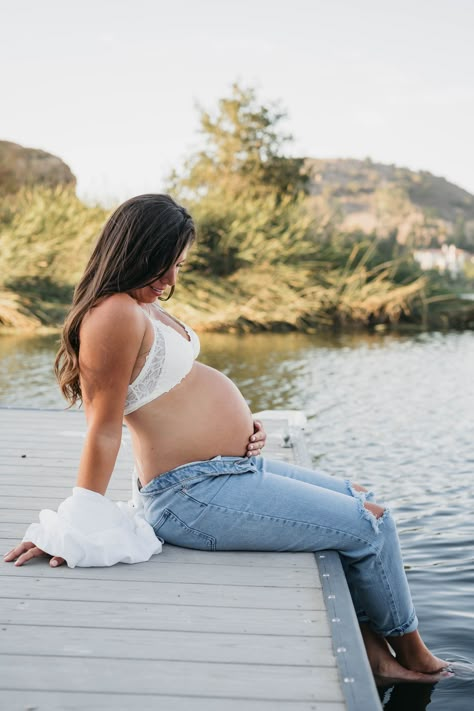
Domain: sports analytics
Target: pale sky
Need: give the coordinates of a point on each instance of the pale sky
(111, 86)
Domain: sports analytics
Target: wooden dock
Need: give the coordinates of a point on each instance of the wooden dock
(188, 630)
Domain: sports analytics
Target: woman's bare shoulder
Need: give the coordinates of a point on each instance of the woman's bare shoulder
(118, 316)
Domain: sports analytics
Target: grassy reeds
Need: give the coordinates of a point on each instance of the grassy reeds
(45, 239)
(260, 265)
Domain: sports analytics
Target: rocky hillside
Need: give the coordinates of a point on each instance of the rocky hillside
(21, 166)
(386, 199)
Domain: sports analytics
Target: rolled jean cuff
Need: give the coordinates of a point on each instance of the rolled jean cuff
(409, 626)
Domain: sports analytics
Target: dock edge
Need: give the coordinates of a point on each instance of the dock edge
(357, 681)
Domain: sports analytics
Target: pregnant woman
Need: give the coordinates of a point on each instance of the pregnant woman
(126, 359)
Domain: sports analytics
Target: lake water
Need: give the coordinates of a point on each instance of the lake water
(395, 413)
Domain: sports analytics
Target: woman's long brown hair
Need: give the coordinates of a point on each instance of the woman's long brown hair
(140, 241)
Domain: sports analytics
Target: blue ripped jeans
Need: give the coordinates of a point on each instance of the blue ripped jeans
(240, 503)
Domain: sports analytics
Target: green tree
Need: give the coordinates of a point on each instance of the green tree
(242, 151)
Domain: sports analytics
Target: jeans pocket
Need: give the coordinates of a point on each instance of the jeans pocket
(201, 491)
(175, 531)
(193, 492)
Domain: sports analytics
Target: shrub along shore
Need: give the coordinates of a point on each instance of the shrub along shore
(260, 264)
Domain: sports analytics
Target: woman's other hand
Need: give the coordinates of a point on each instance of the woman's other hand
(26, 551)
(257, 440)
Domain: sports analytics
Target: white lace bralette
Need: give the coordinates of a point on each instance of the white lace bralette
(170, 359)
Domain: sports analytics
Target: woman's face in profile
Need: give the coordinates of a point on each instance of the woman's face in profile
(158, 287)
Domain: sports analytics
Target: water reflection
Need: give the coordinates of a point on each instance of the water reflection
(409, 697)
(274, 370)
(26, 371)
(255, 362)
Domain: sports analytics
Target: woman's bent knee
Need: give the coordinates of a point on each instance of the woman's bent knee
(375, 509)
(358, 487)
(376, 515)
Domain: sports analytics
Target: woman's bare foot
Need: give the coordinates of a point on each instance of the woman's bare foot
(387, 669)
(413, 654)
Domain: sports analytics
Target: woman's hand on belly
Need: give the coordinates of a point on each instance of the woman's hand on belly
(257, 440)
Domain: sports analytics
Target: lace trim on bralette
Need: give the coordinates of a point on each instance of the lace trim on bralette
(147, 378)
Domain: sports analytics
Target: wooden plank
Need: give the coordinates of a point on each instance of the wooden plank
(66, 700)
(194, 618)
(33, 429)
(158, 569)
(64, 445)
(166, 645)
(18, 503)
(61, 444)
(162, 678)
(32, 477)
(56, 467)
(40, 490)
(23, 415)
(25, 516)
(38, 436)
(39, 451)
(162, 593)
(38, 493)
(184, 556)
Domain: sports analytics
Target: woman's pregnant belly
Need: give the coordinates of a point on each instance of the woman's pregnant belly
(201, 417)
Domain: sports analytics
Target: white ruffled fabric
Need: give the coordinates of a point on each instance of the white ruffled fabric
(90, 530)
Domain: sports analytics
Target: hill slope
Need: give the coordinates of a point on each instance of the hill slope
(373, 197)
(21, 166)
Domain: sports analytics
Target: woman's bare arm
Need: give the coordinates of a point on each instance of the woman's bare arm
(111, 337)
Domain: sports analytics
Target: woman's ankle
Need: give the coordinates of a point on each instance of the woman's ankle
(413, 654)
(386, 667)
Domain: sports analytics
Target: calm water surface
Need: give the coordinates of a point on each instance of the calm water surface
(393, 412)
